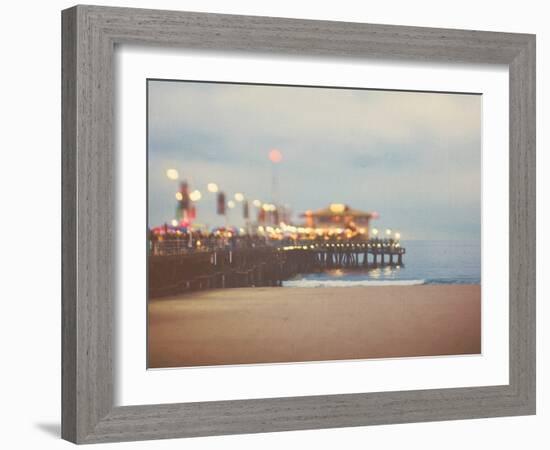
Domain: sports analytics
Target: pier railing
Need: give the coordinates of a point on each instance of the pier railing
(176, 267)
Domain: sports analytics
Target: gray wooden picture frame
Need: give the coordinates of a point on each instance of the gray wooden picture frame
(90, 34)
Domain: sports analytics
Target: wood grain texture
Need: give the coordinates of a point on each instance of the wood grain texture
(68, 226)
(89, 36)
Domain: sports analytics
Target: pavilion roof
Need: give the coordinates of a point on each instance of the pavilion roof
(338, 210)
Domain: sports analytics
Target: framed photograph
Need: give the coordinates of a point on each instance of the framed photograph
(278, 224)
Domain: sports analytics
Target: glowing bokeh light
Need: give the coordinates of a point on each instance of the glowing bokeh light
(179, 196)
(175, 223)
(337, 208)
(374, 232)
(388, 231)
(257, 203)
(239, 197)
(269, 207)
(275, 156)
(195, 196)
(231, 204)
(172, 174)
(212, 187)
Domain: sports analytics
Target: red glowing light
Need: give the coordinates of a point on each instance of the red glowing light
(275, 156)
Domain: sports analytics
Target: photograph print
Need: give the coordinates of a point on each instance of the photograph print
(292, 224)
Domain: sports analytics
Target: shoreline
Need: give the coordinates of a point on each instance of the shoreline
(297, 324)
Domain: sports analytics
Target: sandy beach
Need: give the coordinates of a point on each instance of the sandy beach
(267, 325)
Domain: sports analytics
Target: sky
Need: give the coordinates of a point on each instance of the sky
(413, 157)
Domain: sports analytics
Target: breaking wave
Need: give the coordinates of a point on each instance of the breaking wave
(349, 283)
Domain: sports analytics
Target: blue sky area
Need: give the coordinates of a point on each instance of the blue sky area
(415, 158)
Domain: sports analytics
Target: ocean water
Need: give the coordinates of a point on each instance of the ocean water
(425, 262)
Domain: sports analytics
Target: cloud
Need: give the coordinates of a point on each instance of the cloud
(382, 150)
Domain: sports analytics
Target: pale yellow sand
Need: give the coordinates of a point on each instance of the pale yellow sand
(265, 325)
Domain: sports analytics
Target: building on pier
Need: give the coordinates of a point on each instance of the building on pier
(339, 215)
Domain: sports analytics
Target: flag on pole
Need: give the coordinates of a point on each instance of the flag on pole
(184, 198)
(221, 204)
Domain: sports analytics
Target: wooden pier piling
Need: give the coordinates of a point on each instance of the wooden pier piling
(172, 273)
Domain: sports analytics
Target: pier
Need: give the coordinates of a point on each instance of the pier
(174, 269)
